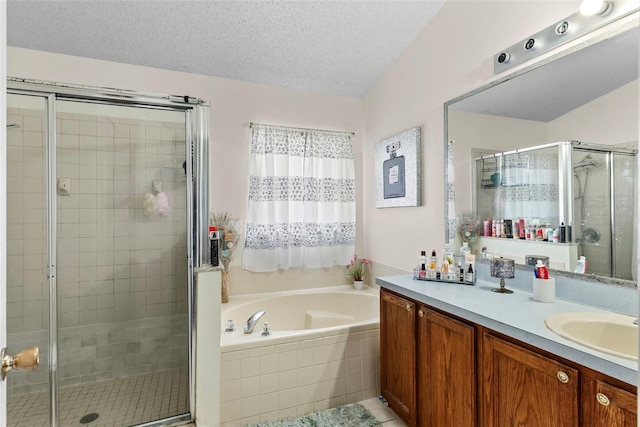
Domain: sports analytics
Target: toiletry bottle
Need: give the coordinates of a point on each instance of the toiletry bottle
(433, 264)
(469, 276)
(447, 254)
(465, 249)
(523, 230)
(445, 269)
(422, 261)
(214, 245)
(562, 234)
(460, 273)
(581, 265)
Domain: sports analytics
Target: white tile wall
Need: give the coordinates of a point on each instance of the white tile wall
(296, 378)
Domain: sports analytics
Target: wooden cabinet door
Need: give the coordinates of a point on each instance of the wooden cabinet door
(446, 371)
(607, 405)
(522, 388)
(398, 354)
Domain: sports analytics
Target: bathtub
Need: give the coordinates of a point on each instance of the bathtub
(323, 352)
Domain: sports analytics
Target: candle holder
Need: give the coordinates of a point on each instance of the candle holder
(504, 268)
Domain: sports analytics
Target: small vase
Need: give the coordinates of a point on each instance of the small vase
(358, 284)
(225, 287)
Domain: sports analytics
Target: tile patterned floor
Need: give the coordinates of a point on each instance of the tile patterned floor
(383, 413)
(119, 402)
(129, 401)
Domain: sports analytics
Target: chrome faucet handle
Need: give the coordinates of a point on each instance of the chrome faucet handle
(635, 322)
(266, 329)
(230, 326)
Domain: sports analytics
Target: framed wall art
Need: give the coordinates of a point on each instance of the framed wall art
(398, 170)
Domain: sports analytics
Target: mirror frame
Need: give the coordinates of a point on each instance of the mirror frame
(607, 33)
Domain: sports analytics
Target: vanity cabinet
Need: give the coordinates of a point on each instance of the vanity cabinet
(446, 370)
(523, 388)
(428, 364)
(608, 405)
(398, 354)
(439, 370)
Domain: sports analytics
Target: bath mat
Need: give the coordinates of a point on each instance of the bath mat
(354, 415)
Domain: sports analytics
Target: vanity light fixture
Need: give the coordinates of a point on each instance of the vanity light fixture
(593, 14)
(595, 7)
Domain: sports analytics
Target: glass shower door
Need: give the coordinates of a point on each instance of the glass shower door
(122, 264)
(27, 283)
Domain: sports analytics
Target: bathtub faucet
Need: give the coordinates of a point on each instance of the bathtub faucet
(251, 323)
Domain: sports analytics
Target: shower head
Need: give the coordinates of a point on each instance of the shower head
(13, 126)
(586, 163)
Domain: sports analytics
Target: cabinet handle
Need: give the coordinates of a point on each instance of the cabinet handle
(564, 378)
(602, 399)
(421, 313)
(408, 307)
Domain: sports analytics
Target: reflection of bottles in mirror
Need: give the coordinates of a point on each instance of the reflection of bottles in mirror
(465, 249)
(447, 254)
(581, 265)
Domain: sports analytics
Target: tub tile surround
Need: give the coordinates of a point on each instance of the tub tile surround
(296, 378)
(298, 374)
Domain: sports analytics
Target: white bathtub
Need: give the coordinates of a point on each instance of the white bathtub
(313, 312)
(323, 352)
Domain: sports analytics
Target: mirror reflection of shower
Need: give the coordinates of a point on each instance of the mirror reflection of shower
(604, 207)
(582, 168)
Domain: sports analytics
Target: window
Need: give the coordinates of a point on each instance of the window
(301, 210)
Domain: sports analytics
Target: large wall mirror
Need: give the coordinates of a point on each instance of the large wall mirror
(588, 93)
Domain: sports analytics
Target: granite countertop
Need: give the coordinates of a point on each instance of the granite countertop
(516, 315)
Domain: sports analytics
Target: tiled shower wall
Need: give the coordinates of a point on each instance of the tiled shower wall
(122, 277)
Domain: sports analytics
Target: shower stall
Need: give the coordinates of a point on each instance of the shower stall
(99, 271)
(590, 188)
(604, 192)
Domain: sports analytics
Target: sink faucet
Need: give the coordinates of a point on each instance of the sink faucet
(251, 323)
(635, 322)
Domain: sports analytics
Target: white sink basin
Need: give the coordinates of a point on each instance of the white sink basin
(609, 333)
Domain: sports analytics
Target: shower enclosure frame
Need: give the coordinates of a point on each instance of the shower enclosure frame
(565, 178)
(196, 113)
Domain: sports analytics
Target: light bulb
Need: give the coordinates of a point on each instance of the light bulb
(595, 7)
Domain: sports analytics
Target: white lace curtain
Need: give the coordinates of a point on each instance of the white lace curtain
(301, 210)
(529, 187)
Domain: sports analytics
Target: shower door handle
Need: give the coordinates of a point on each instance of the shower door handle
(26, 359)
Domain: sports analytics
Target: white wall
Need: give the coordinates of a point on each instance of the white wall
(610, 119)
(234, 104)
(451, 56)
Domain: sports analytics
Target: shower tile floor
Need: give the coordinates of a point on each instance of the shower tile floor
(119, 402)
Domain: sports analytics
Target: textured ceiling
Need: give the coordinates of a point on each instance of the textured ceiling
(334, 47)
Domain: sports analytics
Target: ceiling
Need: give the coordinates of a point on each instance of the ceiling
(561, 86)
(333, 47)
